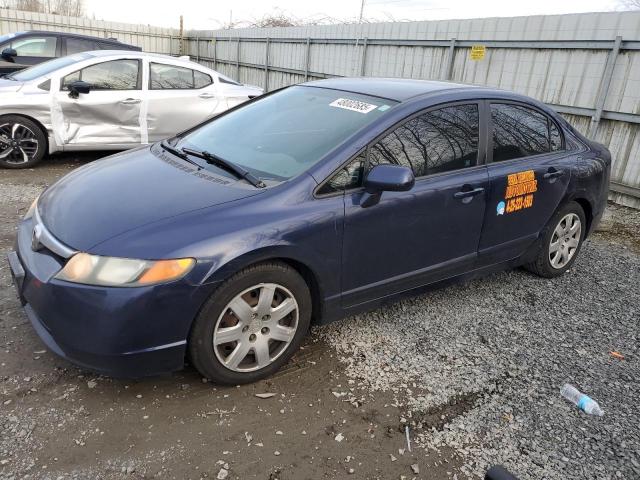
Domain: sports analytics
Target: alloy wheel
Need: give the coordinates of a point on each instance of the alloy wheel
(255, 327)
(18, 143)
(565, 241)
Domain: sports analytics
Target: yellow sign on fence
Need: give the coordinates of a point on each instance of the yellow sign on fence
(478, 52)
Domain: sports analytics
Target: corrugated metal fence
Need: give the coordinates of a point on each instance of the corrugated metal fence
(151, 39)
(587, 66)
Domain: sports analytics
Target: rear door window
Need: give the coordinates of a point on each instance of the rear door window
(77, 45)
(438, 141)
(520, 131)
(171, 77)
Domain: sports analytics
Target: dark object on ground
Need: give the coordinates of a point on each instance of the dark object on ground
(498, 472)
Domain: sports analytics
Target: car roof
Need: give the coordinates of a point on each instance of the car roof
(75, 35)
(129, 53)
(398, 89)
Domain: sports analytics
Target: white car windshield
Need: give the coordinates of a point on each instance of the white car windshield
(284, 134)
(46, 68)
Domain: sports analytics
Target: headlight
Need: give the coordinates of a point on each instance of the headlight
(32, 209)
(122, 272)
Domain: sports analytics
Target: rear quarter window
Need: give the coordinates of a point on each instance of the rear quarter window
(201, 80)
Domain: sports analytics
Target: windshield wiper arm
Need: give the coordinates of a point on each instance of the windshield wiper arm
(178, 153)
(238, 171)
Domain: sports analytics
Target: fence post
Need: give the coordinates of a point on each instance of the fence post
(607, 75)
(238, 61)
(266, 65)
(307, 60)
(450, 59)
(181, 40)
(215, 55)
(364, 56)
(198, 49)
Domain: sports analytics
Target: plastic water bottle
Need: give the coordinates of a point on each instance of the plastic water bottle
(582, 401)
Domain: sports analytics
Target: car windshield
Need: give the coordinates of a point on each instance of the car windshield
(47, 67)
(282, 135)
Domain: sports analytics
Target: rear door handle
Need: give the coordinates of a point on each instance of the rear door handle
(553, 173)
(207, 95)
(130, 101)
(468, 193)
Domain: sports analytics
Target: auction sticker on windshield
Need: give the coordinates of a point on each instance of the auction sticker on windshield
(353, 105)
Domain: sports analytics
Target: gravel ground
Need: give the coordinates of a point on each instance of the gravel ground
(478, 367)
(473, 370)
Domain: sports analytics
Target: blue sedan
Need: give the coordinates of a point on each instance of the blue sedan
(225, 243)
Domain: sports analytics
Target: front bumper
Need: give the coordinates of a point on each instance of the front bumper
(122, 332)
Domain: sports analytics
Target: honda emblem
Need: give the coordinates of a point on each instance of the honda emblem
(35, 238)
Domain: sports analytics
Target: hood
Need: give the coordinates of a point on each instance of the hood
(111, 196)
(10, 86)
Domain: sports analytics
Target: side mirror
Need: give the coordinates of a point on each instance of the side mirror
(78, 87)
(8, 54)
(389, 178)
(386, 178)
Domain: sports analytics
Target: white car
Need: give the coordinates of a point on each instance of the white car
(107, 100)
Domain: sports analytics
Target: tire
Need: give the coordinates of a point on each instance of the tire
(234, 319)
(560, 244)
(22, 142)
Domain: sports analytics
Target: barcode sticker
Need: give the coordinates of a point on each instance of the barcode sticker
(353, 105)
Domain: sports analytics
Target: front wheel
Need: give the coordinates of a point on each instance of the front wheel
(252, 324)
(561, 243)
(22, 142)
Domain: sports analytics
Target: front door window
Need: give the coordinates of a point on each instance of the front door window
(437, 141)
(112, 75)
(35, 47)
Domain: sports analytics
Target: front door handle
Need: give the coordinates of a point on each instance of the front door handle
(553, 173)
(130, 101)
(472, 192)
(207, 95)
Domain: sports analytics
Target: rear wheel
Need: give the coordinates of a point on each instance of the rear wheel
(22, 142)
(561, 243)
(251, 325)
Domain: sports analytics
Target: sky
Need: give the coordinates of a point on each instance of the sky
(212, 14)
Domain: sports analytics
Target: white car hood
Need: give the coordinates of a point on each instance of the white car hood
(10, 86)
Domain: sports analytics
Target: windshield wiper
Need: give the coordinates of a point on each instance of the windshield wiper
(238, 171)
(178, 153)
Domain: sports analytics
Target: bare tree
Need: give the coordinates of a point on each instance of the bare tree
(629, 4)
(281, 18)
(72, 8)
(275, 20)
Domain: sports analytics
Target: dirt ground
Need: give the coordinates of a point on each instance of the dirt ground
(58, 421)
